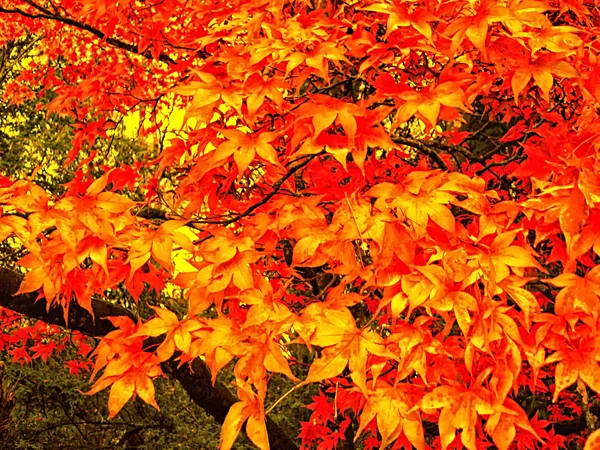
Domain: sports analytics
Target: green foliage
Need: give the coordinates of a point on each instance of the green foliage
(51, 413)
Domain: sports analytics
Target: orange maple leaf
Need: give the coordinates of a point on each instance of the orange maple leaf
(579, 295)
(325, 110)
(542, 70)
(501, 257)
(316, 58)
(400, 16)
(344, 344)
(179, 333)
(250, 408)
(460, 408)
(475, 26)
(391, 405)
(244, 147)
(158, 244)
(501, 425)
(208, 91)
(427, 102)
(576, 360)
(127, 368)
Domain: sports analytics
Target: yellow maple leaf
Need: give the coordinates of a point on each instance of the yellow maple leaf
(250, 408)
(417, 200)
(345, 345)
(391, 406)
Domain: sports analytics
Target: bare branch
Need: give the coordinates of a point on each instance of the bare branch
(49, 15)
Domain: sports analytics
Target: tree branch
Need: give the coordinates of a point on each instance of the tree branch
(215, 400)
(49, 15)
(275, 189)
(422, 148)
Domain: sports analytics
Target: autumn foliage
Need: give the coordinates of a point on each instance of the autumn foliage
(396, 200)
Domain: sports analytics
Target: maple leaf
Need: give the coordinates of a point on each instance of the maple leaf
(250, 408)
(391, 406)
(460, 408)
(178, 332)
(244, 147)
(43, 351)
(216, 343)
(318, 58)
(513, 286)
(325, 110)
(501, 425)
(158, 244)
(116, 342)
(227, 259)
(370, 135)
(128, 375)
(417, 200)
(525, 13)
(96, 249)
(15, 225)
(128, 370)
(399, 16)
(259, 89)
(207, 90)
(541, 70)
(502, 255)
(556, 39)
(569, 205)
(428, 102)
(578, 294)
(322, 407)
(475, 26)
(593, 441)
(138, 383)
(438, 289)
(344, 345)
(576, 362)
(75, 367)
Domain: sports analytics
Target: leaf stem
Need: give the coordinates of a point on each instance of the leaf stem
(590, 420)
(280, 399)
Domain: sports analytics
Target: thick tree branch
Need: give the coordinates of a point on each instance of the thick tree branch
(422, 148)
(215, 400)
(49, 15)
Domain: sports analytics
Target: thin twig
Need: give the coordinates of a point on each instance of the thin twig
(265, 199)
(49, 15)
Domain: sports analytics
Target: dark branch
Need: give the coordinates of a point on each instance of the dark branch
(49, 15)
(504, 162)
(215, 400)
(266, 198)
(422, 148)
